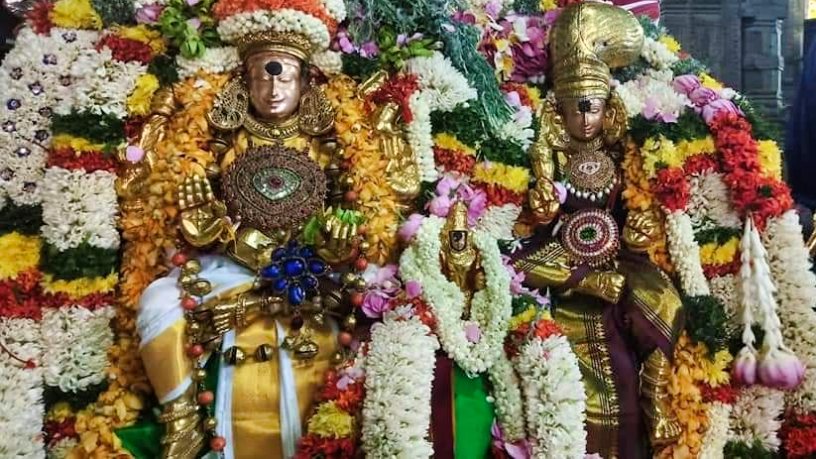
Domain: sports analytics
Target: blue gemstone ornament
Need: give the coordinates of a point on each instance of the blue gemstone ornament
(272, 272)
(296, 294)
(294, 267)
(280, 284)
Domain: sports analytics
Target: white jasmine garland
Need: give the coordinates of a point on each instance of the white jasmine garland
(444, 86)
(101, 84)
(724, 288)
(756, 416)
(397, 407)
(77, 340)
(649, 95)
(420, 137)
(507, 396)
(498, 221)
(709, 204)
(21, 393)
(685, 254)
(717, 434)
(554, 398)
(79, 207)
(139, 4)
(490, 308)
(328, 61)
(335, 8)
(796, 295)
(519, 129)
(282, 20)
(215, 60)
(657, 54)
(61, 449)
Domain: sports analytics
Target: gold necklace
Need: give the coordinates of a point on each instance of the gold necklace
(272, 131)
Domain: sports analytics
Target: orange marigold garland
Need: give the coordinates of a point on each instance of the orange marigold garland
(375, 198)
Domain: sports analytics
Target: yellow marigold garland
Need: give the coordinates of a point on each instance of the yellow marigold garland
(670, 43)
(713, 253)
(329, 421)
(138, 103)
(75, 14)
(20, 253)
(81, 287)
(770, 159)
(148, 230)
(142, 33)
(513, 178)
(375, 198)
(78, 144)
(638, 197)
(450, 142)
(686, 399)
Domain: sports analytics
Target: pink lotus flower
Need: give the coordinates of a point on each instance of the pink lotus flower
(713, 109)
(410, 227)
(476, 206)
(383, 278)
(517, 450)
(149, 14)
(447, 186)
(684, 84)
(779, 368)
(703, 96)
(745, 370)
(413, 289)
(134, 154)
(375, 304)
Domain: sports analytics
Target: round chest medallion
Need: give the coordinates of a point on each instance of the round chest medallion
(272, 187)
(590, 236)
(591, 175)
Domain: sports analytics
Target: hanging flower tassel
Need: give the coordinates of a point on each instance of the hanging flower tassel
(778, 366)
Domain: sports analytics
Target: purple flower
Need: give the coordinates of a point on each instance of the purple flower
(413, 289)
(447, 185)
(440, 206)
(744, 371)
(713, 109)
(374, 304)
(369, 49)
(780, 369)
(476, 206)
(560, 191)
(344, 43)
(493, 8)
(465, 17)
(410, 227)
(149, 14)
(684, 84)
(383, 278)
(701, 96)
(193, 2)
(518, 450)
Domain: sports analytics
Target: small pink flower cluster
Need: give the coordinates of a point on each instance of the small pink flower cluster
(707, 102)
(777, 368)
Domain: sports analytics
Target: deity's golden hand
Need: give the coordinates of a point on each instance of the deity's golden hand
(544, 201)
(224, 314)
(203, 218)
(641, 229)
(339, 241)
(606, 285)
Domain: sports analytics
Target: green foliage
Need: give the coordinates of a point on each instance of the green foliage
(717, 235)
(740, 450)
(632, 71)
(114, 11)
(689, 126)
(164, 68)
(82, 261)
(403, 16)
(23, 219)
(99, 128)
(689, 66)
(522, 303)
(650, 29)
(359, 67)
(764, 129)
(526, 6)
(191, 41)
(706, 322)
(393, 54)
(504, 151)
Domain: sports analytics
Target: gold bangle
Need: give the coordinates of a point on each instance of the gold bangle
(240, 313)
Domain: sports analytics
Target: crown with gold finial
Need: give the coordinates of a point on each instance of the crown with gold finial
(297, 27)
(587, 40)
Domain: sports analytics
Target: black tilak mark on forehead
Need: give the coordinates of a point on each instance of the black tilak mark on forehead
(584, 105)
(274, 68)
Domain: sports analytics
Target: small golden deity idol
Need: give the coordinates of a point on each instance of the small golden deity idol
(611, 302)
(270, 212)
(461, 262)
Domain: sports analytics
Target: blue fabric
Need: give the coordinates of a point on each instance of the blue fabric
(800, 142)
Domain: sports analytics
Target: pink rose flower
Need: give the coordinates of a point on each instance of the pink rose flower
(779, 368)
(134, 154)
(447, 185)
(518, 450)
(374, 304)
(744, 371)
(410, 227)
(684, 84)
(703, 96)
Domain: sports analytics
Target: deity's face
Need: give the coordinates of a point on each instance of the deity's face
(583, 118)
(275, 84)
(458, 240)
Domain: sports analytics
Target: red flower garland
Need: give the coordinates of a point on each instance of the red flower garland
(798, 435)
(498, 195)
(40, 17)
(21, 297)
(56, 431)
(312, 446)
(454, 161)
(751, 192)
(671, 188)
(698, 164)
(724, 394)
(89, 161)
(126, 49)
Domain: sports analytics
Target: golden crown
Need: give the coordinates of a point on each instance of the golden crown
(298, 45)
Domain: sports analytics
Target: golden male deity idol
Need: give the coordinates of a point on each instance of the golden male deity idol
(620, 312)
(276, 235)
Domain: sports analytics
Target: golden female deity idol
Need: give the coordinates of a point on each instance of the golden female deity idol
(621, 313)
